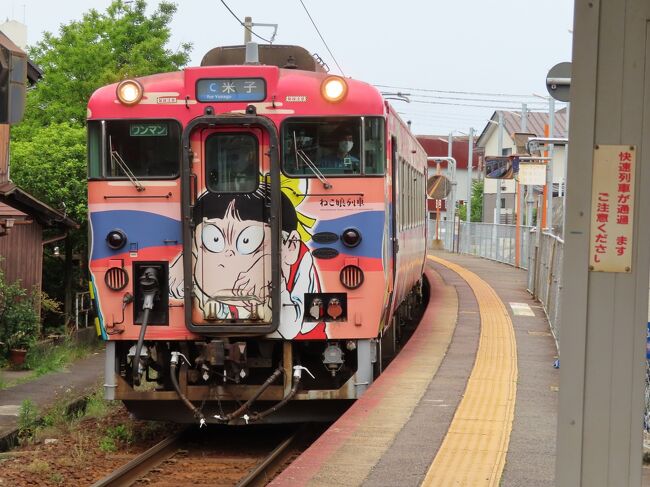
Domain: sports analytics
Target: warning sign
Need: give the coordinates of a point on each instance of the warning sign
(612, 209)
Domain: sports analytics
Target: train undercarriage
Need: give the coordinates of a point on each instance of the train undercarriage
(239, 380)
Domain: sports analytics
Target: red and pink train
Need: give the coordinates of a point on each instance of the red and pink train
(257, 230)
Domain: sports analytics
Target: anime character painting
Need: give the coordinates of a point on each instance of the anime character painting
(231, 269)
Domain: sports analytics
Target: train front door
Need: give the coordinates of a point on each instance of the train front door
(231, 239)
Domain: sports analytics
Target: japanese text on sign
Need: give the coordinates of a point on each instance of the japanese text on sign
(231, 89)
(612, 209)
(342, 202)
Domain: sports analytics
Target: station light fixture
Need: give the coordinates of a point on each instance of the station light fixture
(129, 92)
(334, 89)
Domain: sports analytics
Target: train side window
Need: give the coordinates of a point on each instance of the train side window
(374, 145)
(94, 149)
(231, 163)
(142, 148)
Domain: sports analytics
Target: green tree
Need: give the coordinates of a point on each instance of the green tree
(49, 147)
(99, 49)
(477, 203)
(51, 165)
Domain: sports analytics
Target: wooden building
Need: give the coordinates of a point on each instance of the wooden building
(22, 221)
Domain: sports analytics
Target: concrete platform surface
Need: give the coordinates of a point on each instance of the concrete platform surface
(405, 461)
(77, 379)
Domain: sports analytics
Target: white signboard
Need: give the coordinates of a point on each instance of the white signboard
(532, 174)
(612, 209)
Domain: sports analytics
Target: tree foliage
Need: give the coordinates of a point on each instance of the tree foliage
(49, 147)
(51, 165)
(477, 203)
(99, 49)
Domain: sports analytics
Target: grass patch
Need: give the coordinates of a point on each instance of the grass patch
(43, 360)
(48, 358)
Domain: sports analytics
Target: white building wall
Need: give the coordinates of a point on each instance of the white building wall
(15, 31)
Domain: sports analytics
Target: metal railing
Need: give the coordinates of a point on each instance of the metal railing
(545, 277)
(540, 255)
(487, 240)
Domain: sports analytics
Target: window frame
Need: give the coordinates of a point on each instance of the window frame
(257, 158)
(362, 152)
(103, 141)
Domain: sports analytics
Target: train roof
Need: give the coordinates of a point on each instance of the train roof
(296, 91)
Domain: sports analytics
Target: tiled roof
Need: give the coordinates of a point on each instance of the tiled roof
(436, 146)
(535, 122)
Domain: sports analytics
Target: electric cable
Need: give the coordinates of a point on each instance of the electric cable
(321, 37)
(243, 24)
(473, 93)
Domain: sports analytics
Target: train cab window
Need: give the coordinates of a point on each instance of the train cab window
(333, 146)
(231, 163)
(139, 148)
(373, 145)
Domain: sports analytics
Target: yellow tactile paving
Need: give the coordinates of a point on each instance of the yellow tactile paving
(473, 453)
(353, 461)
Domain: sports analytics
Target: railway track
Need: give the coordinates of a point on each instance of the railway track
(216, 456)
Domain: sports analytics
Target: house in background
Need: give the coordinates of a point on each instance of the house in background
(488, 142)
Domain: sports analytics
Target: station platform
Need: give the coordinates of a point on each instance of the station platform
(74, 382)
(471, 400)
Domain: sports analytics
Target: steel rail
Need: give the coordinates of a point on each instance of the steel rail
(127, 474)
(274, 459)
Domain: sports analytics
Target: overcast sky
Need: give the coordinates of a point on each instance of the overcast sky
(493, 47)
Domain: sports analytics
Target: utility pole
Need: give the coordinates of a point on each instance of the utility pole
(451, 207)
(549, 170)
(529, 188)
(470, 145)
(499, 153)
(248, 27)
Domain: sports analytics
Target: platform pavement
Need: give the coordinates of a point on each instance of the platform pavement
(75, 380)
(405, 461)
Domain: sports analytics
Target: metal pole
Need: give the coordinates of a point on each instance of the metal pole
(566, 165)
(499, 153)
(470, 153)
(452, 194)
(529, 188)
(497, 219)
(248, 26)
(549, 171)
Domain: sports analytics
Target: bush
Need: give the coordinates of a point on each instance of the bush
(19, 321)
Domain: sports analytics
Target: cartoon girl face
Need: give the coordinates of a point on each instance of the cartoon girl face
(230, 260)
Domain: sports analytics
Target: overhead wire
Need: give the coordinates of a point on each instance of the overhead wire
(473, 93)
(243, 24)
(321, 37)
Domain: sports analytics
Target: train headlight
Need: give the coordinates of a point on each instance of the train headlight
(334, 89)
(116, 239)
(129, 92)
(351, 237)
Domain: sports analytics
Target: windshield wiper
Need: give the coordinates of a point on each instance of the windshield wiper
(308, 162)
(116, 159)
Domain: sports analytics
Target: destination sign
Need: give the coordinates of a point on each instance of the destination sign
(148, 130)
(231, 89)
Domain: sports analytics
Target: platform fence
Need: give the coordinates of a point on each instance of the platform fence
(541, 255)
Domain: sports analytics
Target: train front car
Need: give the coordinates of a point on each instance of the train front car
(243, 237)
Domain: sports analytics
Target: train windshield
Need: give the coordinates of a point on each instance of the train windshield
(334, 146)
(142, 149)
